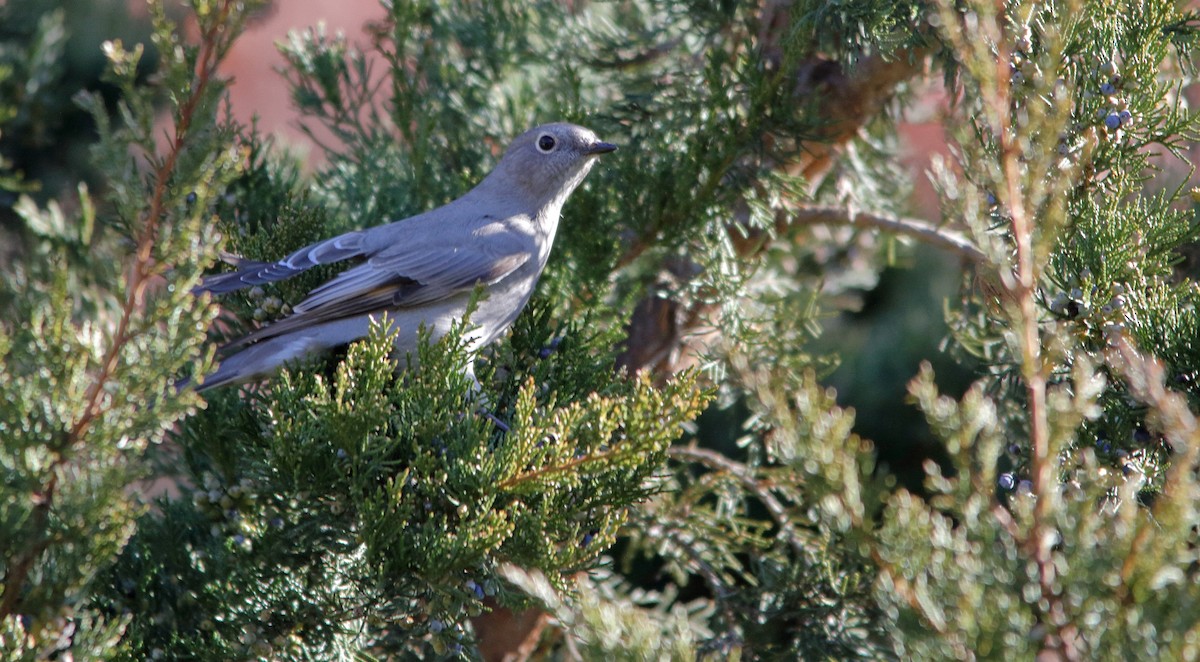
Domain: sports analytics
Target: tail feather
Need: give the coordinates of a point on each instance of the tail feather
(256, 361)
(250, 272)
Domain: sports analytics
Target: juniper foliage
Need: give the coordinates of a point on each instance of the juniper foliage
(98, 319)
(719, 503)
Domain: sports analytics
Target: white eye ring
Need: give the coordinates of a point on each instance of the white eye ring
(546, 143)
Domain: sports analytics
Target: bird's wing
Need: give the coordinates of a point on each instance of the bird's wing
(406, 276)
(341, 247)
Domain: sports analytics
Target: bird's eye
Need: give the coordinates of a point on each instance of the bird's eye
(546, 143)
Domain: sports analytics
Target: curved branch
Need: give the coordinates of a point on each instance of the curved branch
(920, 230)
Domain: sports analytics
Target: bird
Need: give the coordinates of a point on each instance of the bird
(424, 269)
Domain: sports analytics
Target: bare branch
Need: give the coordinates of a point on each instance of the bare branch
(920, 230)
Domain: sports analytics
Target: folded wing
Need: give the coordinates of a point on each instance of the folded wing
(405, 276)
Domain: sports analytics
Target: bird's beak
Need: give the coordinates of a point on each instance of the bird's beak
(601, 148)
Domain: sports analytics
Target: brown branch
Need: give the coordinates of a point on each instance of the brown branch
(557, 468)
(137, 281)
(140, 269)
(1020, 286)
(851, 99)
(923, 231)
(662, 330)
(505, 634)
(1022, 290)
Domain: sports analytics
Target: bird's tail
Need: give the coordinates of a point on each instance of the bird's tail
(259, 360)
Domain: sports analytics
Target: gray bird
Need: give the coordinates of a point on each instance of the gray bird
(423, 269)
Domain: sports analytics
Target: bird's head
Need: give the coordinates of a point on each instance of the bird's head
(546, 163)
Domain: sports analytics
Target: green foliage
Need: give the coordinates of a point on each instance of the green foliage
(391, 499)
(1053, 554)
(1104, 239)
(366, 505)
(91, 344)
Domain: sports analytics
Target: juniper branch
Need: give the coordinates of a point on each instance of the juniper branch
(213, 42)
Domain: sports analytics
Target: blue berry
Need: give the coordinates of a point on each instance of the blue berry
(588, 538)
(191, 198)
(1126, 117)
(1113, 121)
(1107, 89)
(549, 349)
(1007, 481)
